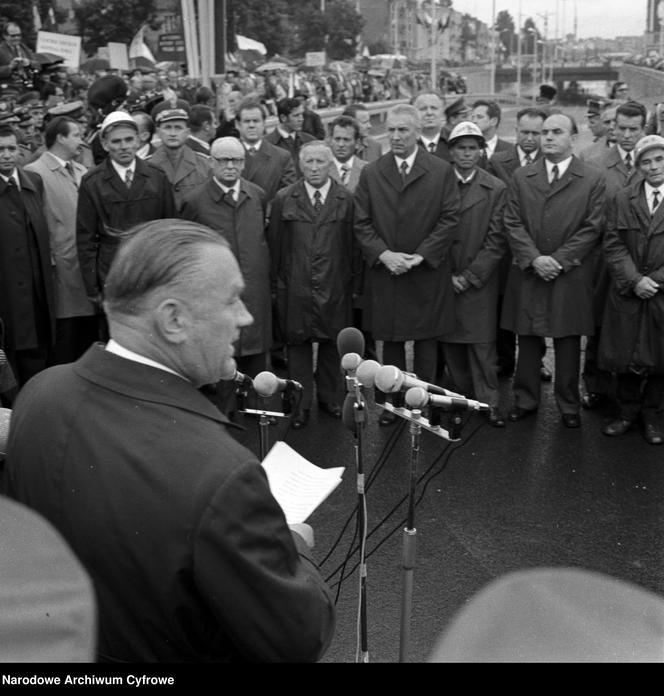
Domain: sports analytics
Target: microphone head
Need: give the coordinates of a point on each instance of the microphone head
(366, 373)
(417, 397)
(350, 362)
(389, 379)
(266, 384)
(350, 340)
(5, 418)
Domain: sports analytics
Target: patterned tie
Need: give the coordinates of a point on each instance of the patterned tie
(432, 148)
(344, 174)
(318, 204)
(251, 151)
(230, 197)
(555, 173)
(70, 170)
(129, 177)
(628, 161)
(527, 160)
(11, 183)
(655, 201)
(404, 171)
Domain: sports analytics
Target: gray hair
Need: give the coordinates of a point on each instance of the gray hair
(406, 110)
(315, 145)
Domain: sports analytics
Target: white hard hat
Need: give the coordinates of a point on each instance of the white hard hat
(466, 129)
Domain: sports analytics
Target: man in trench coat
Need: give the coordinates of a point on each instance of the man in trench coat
(553, 221)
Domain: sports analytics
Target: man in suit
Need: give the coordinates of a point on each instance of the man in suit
(486, 114)
(289, 134)
(16, 58)
(76, 326)
(430, 106)
(185, 168)
(235, 207)
(368, 149)
(553, 221)
(503, 164)
(202, 127)
(315, 265)
(470, 348)
(27, 291)
(165, 508)
(407, 210)
(344, 134)
(146, 131)
(114, 197)
(634, 308)
(619, 168)
(312, 122)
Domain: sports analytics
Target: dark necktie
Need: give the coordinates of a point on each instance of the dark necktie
(527, 160)
(555, 174)
(344, 174)
(404, 171)
(318, 204)
(628, 162)
(655, 201)
(70, 171)
(230, 197)
(11, 184)
(128, 178)
(251, 151)
(432, 148)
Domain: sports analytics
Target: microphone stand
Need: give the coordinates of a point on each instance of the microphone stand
(264, 421)
(410, 537)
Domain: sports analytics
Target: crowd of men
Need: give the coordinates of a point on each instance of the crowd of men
(192, 242)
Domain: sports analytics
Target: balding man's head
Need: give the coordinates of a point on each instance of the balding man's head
(228, 156)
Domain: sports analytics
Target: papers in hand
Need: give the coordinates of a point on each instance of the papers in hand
(298, 485)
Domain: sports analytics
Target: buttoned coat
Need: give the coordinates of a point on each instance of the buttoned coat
(633, 248)
(22, 325)
(478, 247)
(60, 198)
(243, 227)
(189, 552)
(315, 263)
(418, 217)
(271, 168)
(563, 221)
(107, 209)
(354, 175)
(193, 169)
(291, 145)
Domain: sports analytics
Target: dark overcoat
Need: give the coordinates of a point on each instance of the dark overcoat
(271, 168)
(315, 263)
(107, 209)
(23, 325)
(418, 217)
(189, 552)
(563, 221)
(633, 247)
(478, 247)
(243, 227)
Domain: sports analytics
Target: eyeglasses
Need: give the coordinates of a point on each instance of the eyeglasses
(13, 35)
(230, 160)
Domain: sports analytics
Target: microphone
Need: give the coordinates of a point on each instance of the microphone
(366, 373)
(233, 375)
(350, 340)
(391, 379)
(417, 397)
(267, 384)
(350, 362)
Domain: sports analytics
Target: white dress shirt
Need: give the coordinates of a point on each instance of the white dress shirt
(562, 167)
(410, 160)
(114, 347)
(311, 191)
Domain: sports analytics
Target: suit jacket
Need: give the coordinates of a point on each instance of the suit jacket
(442, 150)
(353, 177)
(616, 174)
(7, 55)
(107, 210)
(193, 169)
(562, 220)
(271, 168)
(189, 552)
(418, 217)
(501, 146)
(197, 146)
(61, 198)
(503, 164)
(243, 227)
(26, 266)
(290, 145)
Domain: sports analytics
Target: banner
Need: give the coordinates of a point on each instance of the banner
(117, 56)
(65, 45)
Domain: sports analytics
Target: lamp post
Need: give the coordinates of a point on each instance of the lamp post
(436, 20)
(518, 54)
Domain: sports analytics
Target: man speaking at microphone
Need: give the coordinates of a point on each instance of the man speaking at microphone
(189, 552)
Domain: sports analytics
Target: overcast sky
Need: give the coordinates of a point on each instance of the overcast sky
(606, 18)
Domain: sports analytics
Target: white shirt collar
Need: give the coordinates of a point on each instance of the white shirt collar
(311, 190)
(491, 146)
(235, 187)
(562, 167)
(123, 170)
(522, 155)
(143, 151)
(622, 154)
(14, 176)
(348, 164)
(59, 160)
(285, 134)
(469, 179)
(427, 141)
(114, 347)
(205, 144)
(650, 192)
(409, 161)
(256, 146)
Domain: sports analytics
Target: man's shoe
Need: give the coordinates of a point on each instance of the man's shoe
(652, 434)
(617, 427)
(518, 413)
(387, 418)
(545, 374)
(571, 420)
(496, 418)
(331, 409)
(590, 401)
(300, 419)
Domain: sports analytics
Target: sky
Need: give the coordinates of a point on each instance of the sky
(605, 18)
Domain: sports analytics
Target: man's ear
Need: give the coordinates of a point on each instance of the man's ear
(173, 320)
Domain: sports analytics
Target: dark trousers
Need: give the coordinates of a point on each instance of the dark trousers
(425, 354)
(73, 336)
(472, 370)
(596, 381)
(327, 377)
(640, 394)
(527, 381)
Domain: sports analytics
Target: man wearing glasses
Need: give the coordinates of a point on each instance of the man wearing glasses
(15, 56)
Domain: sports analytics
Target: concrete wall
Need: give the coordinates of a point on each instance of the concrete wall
(646, 85)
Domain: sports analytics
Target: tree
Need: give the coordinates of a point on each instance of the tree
(268, 23)
(101, 21)
(531, 36)
(22, 13)
(505, 27)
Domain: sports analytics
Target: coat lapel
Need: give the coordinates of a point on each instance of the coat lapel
(115, 182)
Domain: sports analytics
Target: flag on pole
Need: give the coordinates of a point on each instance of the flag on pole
(138, 48)
(36, 19)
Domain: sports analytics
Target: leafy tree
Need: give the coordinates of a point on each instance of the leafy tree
(268, 22)
(21, 13)
(505, 27)
(531, 36)
(344, 25)
(101, 21)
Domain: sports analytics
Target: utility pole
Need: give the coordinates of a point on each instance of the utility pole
(493, 48)
(434, 43)
(518, 54)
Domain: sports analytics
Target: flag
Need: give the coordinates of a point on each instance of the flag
(36, 19)
(51, 18)
(138, 48)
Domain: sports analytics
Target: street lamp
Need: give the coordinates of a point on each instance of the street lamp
(446, 7)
